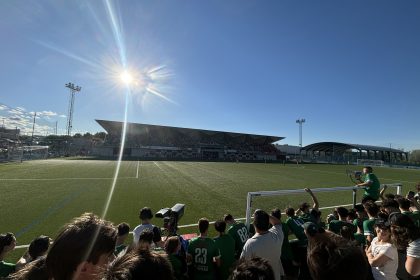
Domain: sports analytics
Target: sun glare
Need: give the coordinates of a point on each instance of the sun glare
(126, 77)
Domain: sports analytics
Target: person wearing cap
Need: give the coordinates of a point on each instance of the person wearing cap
(382, 254)
(266, 242)
(370, 183)
(406, 238)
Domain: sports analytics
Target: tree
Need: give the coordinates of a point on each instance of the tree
(415, 156)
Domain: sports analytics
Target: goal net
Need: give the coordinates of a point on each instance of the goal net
(370, 162)
(21, 153)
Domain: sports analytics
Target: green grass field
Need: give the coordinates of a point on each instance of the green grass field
(38, 197)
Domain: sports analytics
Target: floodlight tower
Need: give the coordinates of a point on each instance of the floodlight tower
(300, 122)
(73, 90)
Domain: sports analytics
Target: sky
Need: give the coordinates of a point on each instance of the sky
(351, 69)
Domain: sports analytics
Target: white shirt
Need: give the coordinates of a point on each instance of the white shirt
(139, 229)
(389, 269)
(267, 246)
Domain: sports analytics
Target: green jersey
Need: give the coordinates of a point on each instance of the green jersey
(336, 225)
(373, 189)
(226, 246)
(368, 229)
(295, 225)
(239, 233)
(306, 217)
(360, 238)
(202, 251)
(6, 268)
(414, 216)
(176, 266)
(286, 250)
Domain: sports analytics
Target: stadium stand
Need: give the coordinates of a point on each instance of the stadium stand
(146, 141)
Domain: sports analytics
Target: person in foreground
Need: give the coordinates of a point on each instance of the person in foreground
(81, 249)
(266, 242)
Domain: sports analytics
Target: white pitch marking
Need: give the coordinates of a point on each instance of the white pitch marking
(57, 179)
(137, 173)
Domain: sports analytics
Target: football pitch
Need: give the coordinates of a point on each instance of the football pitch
(38, 197)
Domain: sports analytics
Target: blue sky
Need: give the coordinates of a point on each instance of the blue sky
(350, 68)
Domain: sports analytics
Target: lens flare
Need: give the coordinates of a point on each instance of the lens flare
(126, 77)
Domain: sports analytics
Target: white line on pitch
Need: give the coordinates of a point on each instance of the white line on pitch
(137, 173)
(57, 179)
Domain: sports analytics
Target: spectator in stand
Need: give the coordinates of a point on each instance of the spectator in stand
(381, 254)
(82, 248)
(266, 242)
(239, 233)
(287, 259)
(7, 244)
(203, 253)
(336, 225)
(390, 206)
(415, 209)
(410, 207)
(255, 268)
(226, 246)
(358, 235)
(370, 183)
(37, 248)
(417, 194)
(372, 210)
(172, 248)
(304, 211)
(35, 270)
(406, 237)
(331, 257)
(146, 216)
(295, 225)
(361, 215)
(347, 233)
(123, 230)
(139, 264)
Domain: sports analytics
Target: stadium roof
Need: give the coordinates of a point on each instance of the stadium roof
(177, 134)
(341, 147)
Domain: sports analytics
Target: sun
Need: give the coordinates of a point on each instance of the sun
(126, 77)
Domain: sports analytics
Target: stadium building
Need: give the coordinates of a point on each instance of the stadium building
(145, 141)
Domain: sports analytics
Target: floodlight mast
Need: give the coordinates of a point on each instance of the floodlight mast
(73, 90)
(300, 122)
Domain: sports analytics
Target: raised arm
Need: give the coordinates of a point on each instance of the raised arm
(314, 199)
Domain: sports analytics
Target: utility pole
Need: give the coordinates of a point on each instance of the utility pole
(33, 130)
(73, 90)
(300, 122)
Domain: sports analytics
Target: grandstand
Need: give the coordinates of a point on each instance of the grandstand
(145, 141)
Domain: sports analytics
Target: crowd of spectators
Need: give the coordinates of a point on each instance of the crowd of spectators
(373, 240)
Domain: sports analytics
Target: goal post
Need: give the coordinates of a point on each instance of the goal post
(20, 153)
(370, 162)
(252, 195)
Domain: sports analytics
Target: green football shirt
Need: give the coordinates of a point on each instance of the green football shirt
(239, 233)
(286, 249)
(226, 246)
(374, 188)
(295, 225)
(176, 266)
(416, 218)
(336, 225)
(360, 238)
(6, 268)
(368, 229)
(202, 251)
